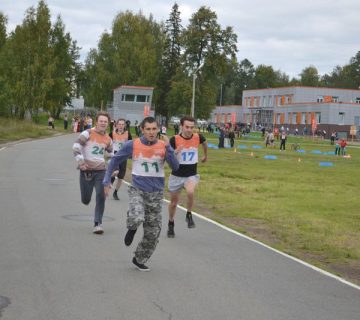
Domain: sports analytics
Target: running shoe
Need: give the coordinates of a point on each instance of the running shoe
(129, 237)
(190, 221)
(98, 229)
(170, 232)
(140, 266)
(115, 196)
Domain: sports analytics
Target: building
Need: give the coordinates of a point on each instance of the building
(132, 103)
(76, 104)
(313, 108)
(225, 114)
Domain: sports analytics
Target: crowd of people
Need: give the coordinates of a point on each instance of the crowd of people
(148, 152)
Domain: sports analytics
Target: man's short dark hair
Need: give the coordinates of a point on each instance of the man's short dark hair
(102, 113)
(148, 120)
(186, 118)
(121, 119)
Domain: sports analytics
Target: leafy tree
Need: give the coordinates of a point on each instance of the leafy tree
(206, 43)
(130, 54)
(37, 65)
(3, 85)
(354, 70)
(265, 77)
(310, 77)
(62, 67)
(246, 74)
(3, 23)
(171, 62)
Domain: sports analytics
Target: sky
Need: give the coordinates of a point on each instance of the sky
(288, 35)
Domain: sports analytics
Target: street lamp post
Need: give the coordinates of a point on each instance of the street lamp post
(193, 91)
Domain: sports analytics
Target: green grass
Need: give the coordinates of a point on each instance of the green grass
(13, 129)
(291, 203)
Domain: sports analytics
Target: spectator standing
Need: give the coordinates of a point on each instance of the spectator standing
(343, 145)
(66, 121)
(282, 140)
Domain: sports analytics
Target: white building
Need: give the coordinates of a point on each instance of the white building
(132, 103)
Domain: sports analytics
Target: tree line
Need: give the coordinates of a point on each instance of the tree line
(40, 68)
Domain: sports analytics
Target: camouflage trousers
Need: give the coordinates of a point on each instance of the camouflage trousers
(145, 209)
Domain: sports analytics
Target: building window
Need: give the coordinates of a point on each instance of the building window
(335, 99)
(357, 100)
(293, 118)
(278, 117)
(320, 99)
(318, 117)
(130, 97)
(142, 98)
(341, 118)
(123, 97)
(303, 118)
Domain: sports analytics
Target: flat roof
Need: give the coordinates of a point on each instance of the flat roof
(307, 87)
(134, 87)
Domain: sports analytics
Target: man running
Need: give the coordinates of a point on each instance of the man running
(89, 150)
(186, 145)
(146, 192)
(119, 137)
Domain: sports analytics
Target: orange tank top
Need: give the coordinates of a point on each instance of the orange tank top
(148, 160)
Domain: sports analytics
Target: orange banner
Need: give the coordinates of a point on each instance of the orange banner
(146, 110)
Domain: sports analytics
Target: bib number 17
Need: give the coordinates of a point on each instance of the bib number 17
(187, 156)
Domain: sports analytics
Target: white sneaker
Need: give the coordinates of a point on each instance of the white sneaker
(98, 229)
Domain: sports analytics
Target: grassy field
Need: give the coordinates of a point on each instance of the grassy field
(291, 203)
(12, 129)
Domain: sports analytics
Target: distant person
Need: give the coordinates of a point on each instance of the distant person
(176, 129)
(147, 189)
(276, 133)
(343, 145)
(221, 138)
(337, 148)
(128, 123)
(282, 140)
(66, 122)
(119, 137)
(89, 122)
(232, 137)
(51, 124)
(332, 138)
(89, 151)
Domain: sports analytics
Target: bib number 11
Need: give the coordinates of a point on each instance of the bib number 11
(154, 165)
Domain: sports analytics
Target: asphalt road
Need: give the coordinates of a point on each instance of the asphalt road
(52, 267)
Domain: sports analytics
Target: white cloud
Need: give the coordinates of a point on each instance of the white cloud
(289, 35)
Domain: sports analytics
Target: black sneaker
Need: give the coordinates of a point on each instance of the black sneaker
(170, 232)
(140, 266)
(115, 196)
(129, 237)
(190, 221)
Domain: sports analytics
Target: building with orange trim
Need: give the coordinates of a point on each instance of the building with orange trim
(329, 109)
(226, 114)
